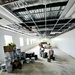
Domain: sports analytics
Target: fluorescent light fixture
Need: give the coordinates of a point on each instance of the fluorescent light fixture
(54, 32)
(71, 11)
(32, 34)
(43, 29)
(57, 39)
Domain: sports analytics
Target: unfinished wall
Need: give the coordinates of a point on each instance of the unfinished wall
(65, 42)
(15, 37)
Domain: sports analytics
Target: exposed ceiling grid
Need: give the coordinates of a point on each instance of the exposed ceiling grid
(31, 17)
(22, 15)
(45, 20)
(57, 19)
(65, 24)
(43, 15)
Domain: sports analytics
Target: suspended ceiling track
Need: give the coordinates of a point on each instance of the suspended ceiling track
(42, 6)
(31, 17)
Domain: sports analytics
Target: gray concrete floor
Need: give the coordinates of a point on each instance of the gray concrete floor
(63, 65)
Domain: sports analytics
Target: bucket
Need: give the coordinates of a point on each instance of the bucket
(32, 59)
(27, 60)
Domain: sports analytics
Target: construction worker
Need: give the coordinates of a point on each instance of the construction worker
(49, 55)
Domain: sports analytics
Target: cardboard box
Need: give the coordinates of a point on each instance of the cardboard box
(8, 48)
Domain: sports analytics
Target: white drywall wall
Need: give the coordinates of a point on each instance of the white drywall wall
(65, 42)
(15, 38)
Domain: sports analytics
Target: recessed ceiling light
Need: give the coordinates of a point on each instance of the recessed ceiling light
(55, 32)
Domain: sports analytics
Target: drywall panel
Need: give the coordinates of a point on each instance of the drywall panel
(65, 42)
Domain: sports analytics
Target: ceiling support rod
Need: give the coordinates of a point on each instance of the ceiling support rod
(45, 19)
(71, 26)
(56, 23)
(42, 12)
(48, 25)
(24, 23)
(65, 24)
(31, 17)
(59, 11)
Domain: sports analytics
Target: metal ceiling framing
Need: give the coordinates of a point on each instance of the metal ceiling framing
(61, 21)
(22, 24)
(65, 24)
(42, 6)
(45, 17)
(56, 21)
(31, 17)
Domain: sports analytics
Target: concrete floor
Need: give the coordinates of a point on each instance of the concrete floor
(63, 65)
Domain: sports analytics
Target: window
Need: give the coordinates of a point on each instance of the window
(21, 41)
(31, 41)
(27, 41)
(34, 40)
(8, 39)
